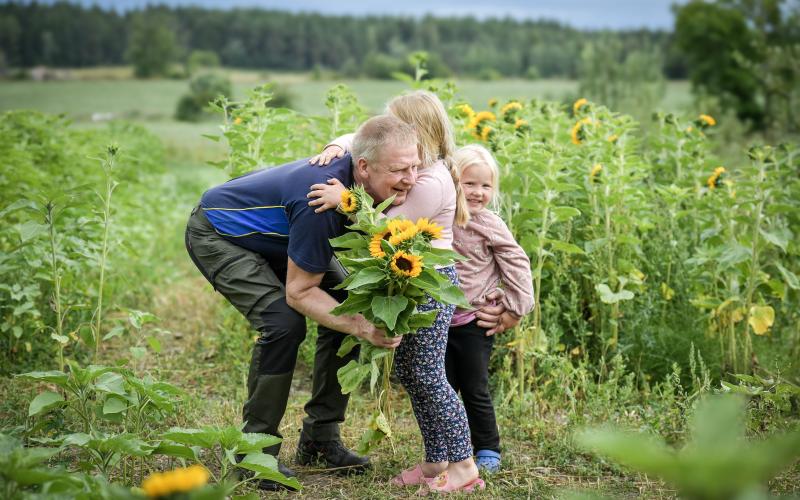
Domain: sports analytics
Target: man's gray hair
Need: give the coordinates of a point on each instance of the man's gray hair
(378, 132)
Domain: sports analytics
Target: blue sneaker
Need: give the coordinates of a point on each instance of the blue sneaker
(487, 461)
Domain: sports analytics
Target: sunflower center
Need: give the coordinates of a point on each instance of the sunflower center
(404, 264)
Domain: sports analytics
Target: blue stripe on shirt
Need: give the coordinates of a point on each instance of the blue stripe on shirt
(246, 221)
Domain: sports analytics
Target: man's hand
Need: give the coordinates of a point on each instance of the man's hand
(495, 318)
(327, 155)
(376, 336)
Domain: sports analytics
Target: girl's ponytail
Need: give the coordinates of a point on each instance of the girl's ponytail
(462, 210)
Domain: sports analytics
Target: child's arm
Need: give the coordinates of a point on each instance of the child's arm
(515, 271)
(326, 196)
(336, 149)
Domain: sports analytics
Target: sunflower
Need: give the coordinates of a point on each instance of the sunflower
(485, 132)
(405, 234)
(577, 129)
(612, 138)
(520, 124)
(428, 229)
(237, 120)
(466, 110)
(375, 248)
(492, 102)
(479, 118)
(707, 120)
(595, 170)
(180, 480)
(349, 202)
(511, 107)
(579, 104)
(714, 180)
(406, 265)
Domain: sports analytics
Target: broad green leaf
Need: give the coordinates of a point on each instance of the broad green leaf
(206, 437)
(111, 382)
(29, 230)
(114, 405)
(779, 239)
(562, 246)
(176, 450)
(366, 276)
(565, 213)
(609, 297)
(354, 303)
(352, 375)
(53, 376)
(350, 241)
(251, 441)
(45, 401)
(422, 320)
(790, 277)
(387, 308)
(114, 332)
(266, 467)
(451, 294)
(347, 345)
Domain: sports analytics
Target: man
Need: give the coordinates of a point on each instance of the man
(257, 241)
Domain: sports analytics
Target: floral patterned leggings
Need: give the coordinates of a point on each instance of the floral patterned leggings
(419, 364)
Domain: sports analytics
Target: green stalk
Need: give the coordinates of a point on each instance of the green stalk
(50, 219)
(108, 166)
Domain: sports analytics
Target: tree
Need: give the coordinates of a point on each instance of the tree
(152, 46)
(710, 36)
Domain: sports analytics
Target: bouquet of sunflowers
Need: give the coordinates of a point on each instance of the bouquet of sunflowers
(391, 266)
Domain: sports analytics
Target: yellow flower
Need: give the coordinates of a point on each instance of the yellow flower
(689, 129)
(579, 104)
(511, 107)
(430, 229)
(237, 121)
(406, 265)
(349, 202)
(375, 248)
(485, 133)
(577, 129)
(708, 120)
(396, 226)
(401, 230)
(492, 102)
(713, 180)
(466, 110)
(481, 117)
(180, 480)
(595, 170)
(612, 138)
(520, 123)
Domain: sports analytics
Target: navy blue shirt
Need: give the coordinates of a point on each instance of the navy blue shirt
(267, 211)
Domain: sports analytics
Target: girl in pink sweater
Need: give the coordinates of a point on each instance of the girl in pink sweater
(494, 259)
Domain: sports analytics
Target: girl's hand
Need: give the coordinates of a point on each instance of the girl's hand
(327, 196)
(327, 155)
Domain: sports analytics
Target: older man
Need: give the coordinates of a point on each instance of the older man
(257, 241)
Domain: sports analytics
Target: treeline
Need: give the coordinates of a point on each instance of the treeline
(69, 35)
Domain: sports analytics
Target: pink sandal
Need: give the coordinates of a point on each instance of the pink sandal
(411, 476)
(441, 484)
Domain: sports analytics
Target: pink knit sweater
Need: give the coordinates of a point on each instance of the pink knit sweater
(495, 260)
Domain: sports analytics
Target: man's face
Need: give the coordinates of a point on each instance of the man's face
(393, 174)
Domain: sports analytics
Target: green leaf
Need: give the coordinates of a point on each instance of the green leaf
(255, 442)
(779, 240)
(154, 344)
(111, 382)
(422, 320)
(207, 437)
(352, 375)
(366, 276)
(609, 297)
(791, 278)
(29, 230)
(565, 213)
(451, 294)
(115, 332)
(350, 240)
(387, 308)
(114, 405)
(266, 467)
(562, 246)
(384, 204)
(45, 401)
(176, 450)
(354, 303)
(347, 345)
(53, 376)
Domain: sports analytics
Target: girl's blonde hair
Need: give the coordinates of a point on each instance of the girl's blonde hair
(473, 155)
(425, 111)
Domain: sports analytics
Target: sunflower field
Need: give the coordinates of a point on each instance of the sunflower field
(666, 287)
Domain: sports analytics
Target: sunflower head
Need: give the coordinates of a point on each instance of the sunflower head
(429, 230)
(509, 111)
(715, 178)
(465, 110)
(375, 248)
(349, 202)
(577, 132)
(707, 120)
(579, 104)
(406, 265)
(595, 170)
(401, 230)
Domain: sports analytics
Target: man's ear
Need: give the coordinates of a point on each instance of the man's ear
(363, 168)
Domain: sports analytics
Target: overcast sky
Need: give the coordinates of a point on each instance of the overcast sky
(588, 14)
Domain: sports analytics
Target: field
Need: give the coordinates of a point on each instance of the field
(592, 357)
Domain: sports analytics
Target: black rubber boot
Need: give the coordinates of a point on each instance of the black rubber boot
(331, 455)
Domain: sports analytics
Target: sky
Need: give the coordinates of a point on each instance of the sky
(582, 14)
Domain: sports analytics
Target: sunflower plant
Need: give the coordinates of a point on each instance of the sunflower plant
(392, 271)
